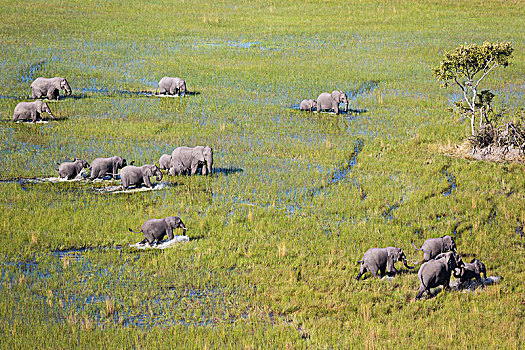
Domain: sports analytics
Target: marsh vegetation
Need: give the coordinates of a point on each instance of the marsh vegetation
(295, 198)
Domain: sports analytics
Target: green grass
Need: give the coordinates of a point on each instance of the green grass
(275, 239)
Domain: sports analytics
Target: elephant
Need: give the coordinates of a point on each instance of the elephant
(31, 111)
(134, 175)
(332, 101)
(379, 259)
(471, 270)
(70, 170)
(434, 246)
(172, 86)
(165, 161)
(50, 88)
(437, 272)
(156, 229)
(101, 167)
(308, 105)
(184, 159)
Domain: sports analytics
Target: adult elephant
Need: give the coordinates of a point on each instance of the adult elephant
(101, 167)
(134, 175)
(380, 259)
(437, 272)
(156, 229)
(434, 246)
(184, 159)
(31, 111)
(50, 88)
(327, 101)
(172, 86)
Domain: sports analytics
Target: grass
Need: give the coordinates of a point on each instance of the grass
(278, 228)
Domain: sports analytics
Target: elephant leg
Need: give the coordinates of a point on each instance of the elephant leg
(34, 95)
(373, 270)
(50, 95)
(194, 166)
(34, 116)
(146, 181)
(361, 272)
(421, 291)
(336, 108)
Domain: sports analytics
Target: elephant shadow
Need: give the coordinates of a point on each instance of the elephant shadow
(192, 93)
(80, 96)
(227, 171)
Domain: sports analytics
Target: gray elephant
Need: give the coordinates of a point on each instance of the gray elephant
(156, 229)
(471, 270)
(101, 167)
(50, 88)
(31, 111)
(70, 170)
(437, 272)
(134, 175)
(172, 86)
(381, 259)
(332, 101)
(165, 162)
(308, 105)
(184, 159)
(434, 246)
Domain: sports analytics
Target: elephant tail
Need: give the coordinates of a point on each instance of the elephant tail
(130, 230)
(415, 246)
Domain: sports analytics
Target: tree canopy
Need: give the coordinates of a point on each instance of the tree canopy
(467, 66)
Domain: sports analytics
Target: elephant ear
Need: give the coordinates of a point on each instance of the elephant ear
(199, 155)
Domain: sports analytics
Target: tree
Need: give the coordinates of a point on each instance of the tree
(467, 66)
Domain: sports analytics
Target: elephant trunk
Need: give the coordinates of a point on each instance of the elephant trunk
(406, 264)
(159, 175)
(346, 107)
(67, 88)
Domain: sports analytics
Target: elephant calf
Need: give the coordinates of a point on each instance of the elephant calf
(156, 229)
(101, 167)
(434, 246)
(437, 272)
(31, 111)
(381, 259)
(165, 162)
(308, 105)
(134, 175)
(471, 270)
(50, 88)
(70, 170)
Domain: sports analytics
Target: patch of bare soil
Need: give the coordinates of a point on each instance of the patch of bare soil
(491, 153)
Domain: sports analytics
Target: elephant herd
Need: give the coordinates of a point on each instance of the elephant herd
(50, 89)
(440, 261)
(326, 101)
(183, 160)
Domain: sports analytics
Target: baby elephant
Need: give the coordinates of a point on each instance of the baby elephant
(437, 272)
(381, 259)
(172, 86)
(31, 111)
(471, 270)
(308, 105)
(134, 175)
(434, 246)
(165, 162)
(70, 170)
(156, 229)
